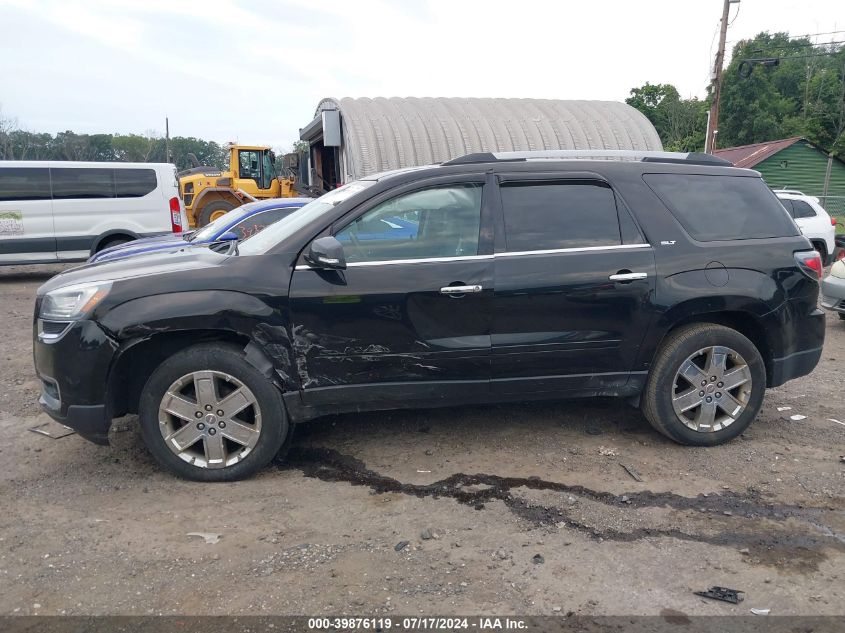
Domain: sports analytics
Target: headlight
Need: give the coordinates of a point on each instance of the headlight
(73, 302)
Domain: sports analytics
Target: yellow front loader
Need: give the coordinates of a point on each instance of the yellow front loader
(209, 193)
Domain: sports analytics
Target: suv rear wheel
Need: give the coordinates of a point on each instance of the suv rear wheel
(208, 415)
(705, 386)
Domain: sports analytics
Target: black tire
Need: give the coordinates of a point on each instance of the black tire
(679, 346)
(113, 241)
(211, 208)
(821, 249)
(228, 360)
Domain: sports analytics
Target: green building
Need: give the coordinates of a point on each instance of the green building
(794, 163)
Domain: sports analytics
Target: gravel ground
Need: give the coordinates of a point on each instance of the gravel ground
(517, 509)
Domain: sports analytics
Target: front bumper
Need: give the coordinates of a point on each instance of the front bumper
(73, 370)
(833, 294)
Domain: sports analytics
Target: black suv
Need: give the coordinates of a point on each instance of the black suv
(674, 280)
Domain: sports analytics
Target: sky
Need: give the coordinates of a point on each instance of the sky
(254, 72)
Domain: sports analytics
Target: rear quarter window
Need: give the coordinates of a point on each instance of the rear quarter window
(802, 209)
(712, 208)
(134, 183)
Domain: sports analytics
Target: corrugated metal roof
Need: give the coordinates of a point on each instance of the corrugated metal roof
(381, 134)
(750, 155)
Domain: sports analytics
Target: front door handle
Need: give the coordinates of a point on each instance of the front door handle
(459, 290)
(627, 276)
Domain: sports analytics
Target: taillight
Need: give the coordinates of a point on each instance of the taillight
(810, 263)
(833, 220)
(175, 215)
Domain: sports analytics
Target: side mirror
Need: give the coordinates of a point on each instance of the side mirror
(229, 236)
(326, 252)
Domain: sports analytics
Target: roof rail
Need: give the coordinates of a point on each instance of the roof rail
(684, 158)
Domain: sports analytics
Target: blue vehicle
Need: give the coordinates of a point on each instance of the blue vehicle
(238, 224)
(388, 228)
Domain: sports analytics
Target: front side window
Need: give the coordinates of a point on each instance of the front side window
(24, 183)
(248, 165)
(558, 215)
(82, 184)
(431, 223)
(267, 172)
(714, 208)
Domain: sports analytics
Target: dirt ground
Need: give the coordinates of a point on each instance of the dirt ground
(505, 509)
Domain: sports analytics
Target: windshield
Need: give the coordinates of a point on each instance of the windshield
(212, 228)
(275, 233)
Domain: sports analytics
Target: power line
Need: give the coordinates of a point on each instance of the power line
(736, 15)
(806, 56)
(806, 45)
(816, 34)
(795, 37)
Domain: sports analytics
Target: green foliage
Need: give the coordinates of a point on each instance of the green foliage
(800, 96)
(681, 123)
(17, 144)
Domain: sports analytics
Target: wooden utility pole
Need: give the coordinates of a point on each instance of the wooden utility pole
(716, 76)
(167, 140)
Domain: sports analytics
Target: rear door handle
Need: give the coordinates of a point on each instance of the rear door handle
(459, 290)
(620, 276)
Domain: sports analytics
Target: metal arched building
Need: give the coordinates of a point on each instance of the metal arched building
(351, 138)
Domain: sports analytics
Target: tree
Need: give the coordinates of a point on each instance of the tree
(680, 123)
(7, 127)
(796, 92)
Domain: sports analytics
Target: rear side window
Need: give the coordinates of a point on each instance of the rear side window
(714, 208)
(256, 223)
(134, 183)
(82, 183)
(24, 183)
(802, 210)
(556, 215)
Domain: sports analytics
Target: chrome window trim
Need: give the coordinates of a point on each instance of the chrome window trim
(576, 249)
(425, 260)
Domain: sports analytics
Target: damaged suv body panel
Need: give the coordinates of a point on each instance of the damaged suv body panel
(473, 282)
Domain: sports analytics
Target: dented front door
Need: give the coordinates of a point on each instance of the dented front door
(409, 319)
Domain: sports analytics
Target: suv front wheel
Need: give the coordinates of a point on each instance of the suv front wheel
(706, 385)
(208, 415)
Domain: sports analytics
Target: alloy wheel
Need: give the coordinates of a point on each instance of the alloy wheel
(209, 419)
(711, 389)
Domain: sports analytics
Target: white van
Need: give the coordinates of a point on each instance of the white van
(66, 211)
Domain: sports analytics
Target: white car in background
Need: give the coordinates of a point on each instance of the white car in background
(833, 289)
(813, 220)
